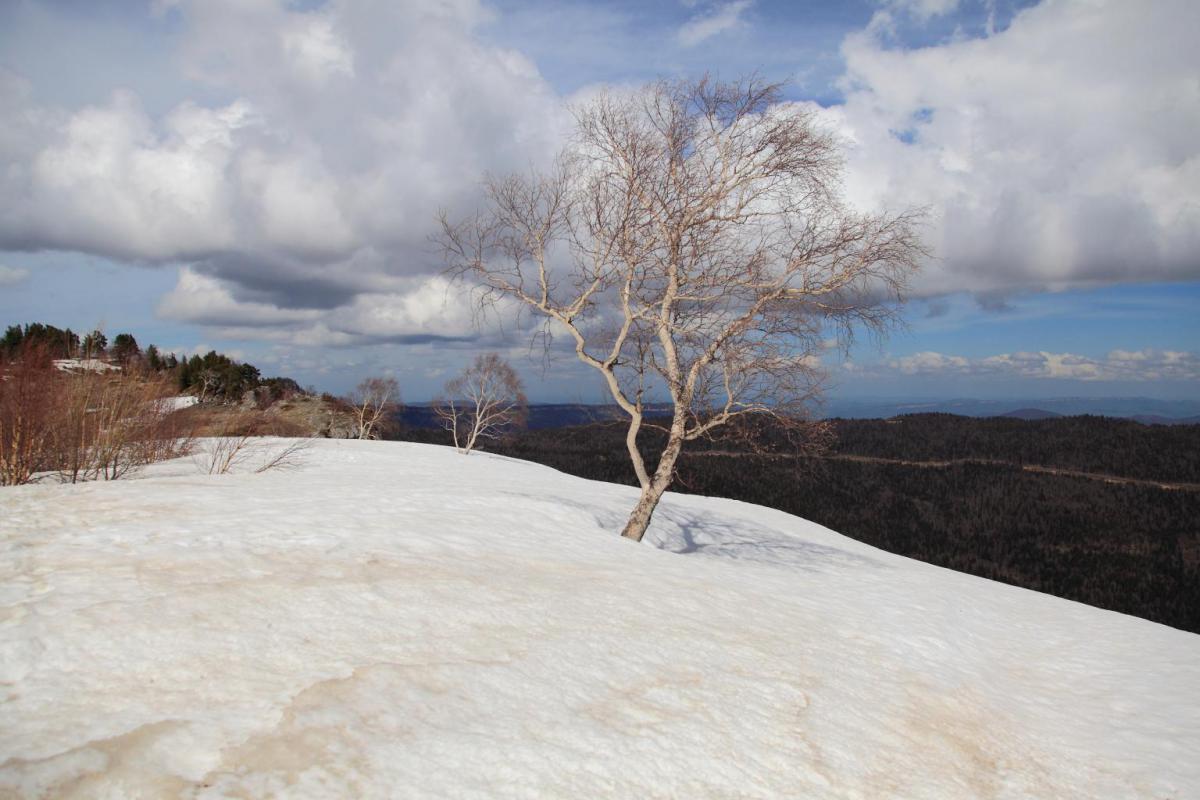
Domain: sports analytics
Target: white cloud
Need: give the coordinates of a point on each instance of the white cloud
(11, 276)
(187, 351)
(922, 9)
(432, 308)
(408, 310)
(315, 51)
(109, 180)
(928, 361)
(340, 133)
(1118, 365)
(717, 19)
(1059, 152)
(204, 299)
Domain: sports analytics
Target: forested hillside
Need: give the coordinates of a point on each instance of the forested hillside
(1089, 444)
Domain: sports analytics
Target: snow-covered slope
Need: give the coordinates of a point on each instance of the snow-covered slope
(396, 620)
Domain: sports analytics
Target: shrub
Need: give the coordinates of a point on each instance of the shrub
(82, 425)
(28, 413)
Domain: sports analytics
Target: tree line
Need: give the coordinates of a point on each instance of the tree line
(1085, 443)
(83, 408)
(212, 376)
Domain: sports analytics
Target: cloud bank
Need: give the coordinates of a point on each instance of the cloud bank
(309, 195)
(1118, 365)
(296, 191)
(1060, 152)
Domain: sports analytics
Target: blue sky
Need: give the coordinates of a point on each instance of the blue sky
(260, 177)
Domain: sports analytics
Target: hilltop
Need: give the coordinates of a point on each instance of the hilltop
(392, 619)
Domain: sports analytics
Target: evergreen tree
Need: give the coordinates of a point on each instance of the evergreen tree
(94, 344)
(13, 336)
(125, 348)
(153, 360)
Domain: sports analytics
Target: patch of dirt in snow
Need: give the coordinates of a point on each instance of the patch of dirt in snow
(958, 728)
(129, 765)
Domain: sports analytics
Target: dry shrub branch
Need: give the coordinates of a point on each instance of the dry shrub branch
(83, 425)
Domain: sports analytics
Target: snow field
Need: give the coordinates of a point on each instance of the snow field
(399, 620)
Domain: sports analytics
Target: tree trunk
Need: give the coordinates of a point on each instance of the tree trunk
(639, 519)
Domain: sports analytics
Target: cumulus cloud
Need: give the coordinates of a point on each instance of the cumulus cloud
(1118, 365)
(11, 276)
(431, 309)
(187, 351)
(712, 21)
(204, 299)
(315, 51)
(313, 180)
(108, 180)
(1059, 152)
(928, 362)
(410, 310)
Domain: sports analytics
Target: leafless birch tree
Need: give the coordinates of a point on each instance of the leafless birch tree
(486, 401)
(375, 402)
(692, 243)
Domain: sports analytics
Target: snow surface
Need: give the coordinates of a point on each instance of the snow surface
(83, 365)
(395, 620)
(179, 402)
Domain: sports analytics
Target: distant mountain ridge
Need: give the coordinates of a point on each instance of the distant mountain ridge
(1148, 411)
(1144, 409)
(542, 415)
(1031, 413)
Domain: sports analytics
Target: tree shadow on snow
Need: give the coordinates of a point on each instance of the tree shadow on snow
(683, 532)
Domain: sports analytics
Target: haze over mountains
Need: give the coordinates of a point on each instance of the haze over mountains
(1144, 409)
(1147, 410)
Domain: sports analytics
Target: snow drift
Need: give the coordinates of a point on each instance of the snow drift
(398, 620)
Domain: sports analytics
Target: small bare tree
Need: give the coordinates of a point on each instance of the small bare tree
(692, 243)
(375, 401)
(486, 401)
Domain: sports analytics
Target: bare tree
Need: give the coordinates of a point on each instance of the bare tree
(486, 401)
(375, 402)
(693, 244)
